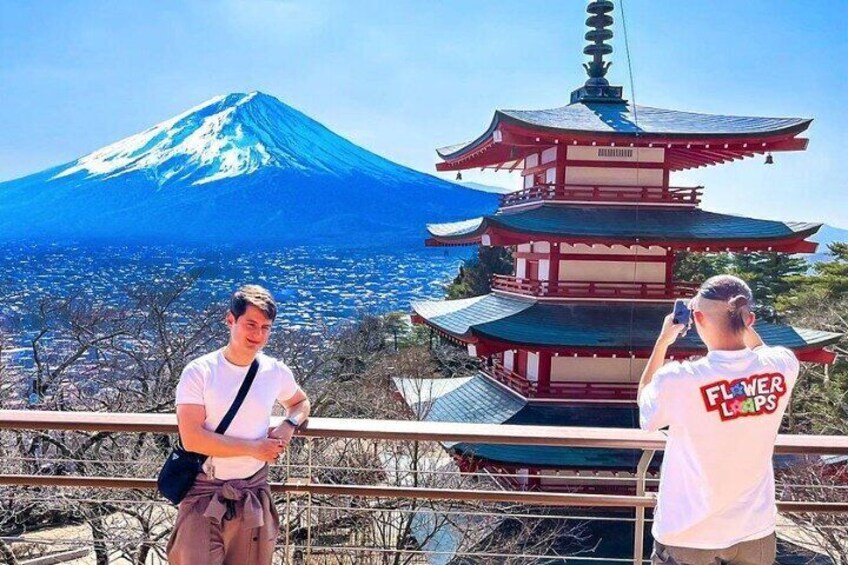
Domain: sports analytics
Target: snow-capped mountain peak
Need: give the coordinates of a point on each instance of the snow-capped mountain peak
(237, 168)
(227, 136)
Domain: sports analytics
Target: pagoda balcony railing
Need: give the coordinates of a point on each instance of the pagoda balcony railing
(349, 491)
(567, 391)
(621, 290)
(690, 196)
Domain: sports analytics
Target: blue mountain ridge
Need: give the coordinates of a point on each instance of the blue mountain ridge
(238, 168)
(824, 237)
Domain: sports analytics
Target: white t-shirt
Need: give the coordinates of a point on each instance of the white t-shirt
(213, 382)
(723, 412)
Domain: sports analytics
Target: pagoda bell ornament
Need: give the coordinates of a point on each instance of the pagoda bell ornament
(459, 175)
(769, 159)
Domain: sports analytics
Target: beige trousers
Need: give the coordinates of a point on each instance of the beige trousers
(755, 552)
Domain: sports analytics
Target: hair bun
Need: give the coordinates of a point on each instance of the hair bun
(738, 302)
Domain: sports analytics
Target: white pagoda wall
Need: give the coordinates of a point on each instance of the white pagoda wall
(625, 270)
(546, 157)
(619, 175)
(532, 373)
(509, 360)
(601, 369)
(618, 271)
(613, 177)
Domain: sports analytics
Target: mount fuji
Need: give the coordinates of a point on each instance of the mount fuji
(237, 168)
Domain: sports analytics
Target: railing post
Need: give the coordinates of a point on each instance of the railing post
(639, 525)
(287, 557)
(309, 517)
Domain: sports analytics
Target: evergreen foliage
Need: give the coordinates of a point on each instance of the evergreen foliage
(475, 274)
(698, 267)
(770, 275)
(820, 300)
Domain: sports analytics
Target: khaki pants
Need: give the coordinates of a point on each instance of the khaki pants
(225, 523)
(755, 552)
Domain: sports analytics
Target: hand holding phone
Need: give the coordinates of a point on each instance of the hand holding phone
(677, 323)
(681, 313)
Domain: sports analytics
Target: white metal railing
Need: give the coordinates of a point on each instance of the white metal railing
(375, 481)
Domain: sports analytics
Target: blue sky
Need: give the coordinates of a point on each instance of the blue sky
(401, 78)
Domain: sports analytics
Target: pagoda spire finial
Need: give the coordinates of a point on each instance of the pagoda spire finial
(597, 87)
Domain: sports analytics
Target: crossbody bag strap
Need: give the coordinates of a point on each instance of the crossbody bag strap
(242, 393)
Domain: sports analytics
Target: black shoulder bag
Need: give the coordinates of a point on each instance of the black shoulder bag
(181, 468)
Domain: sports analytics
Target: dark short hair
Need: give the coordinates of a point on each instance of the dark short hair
(253, 295)
(733, 291)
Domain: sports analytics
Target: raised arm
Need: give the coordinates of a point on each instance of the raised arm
(668, 334)
(196, 438)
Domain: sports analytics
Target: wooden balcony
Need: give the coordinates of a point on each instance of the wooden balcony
(572, 391)
(605, 290)
(670, 195)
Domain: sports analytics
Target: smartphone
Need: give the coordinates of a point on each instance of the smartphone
(682, 314)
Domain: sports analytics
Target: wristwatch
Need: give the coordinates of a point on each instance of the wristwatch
(294, 421)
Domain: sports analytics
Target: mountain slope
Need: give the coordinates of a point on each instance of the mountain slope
(241, 167)
(825, 236)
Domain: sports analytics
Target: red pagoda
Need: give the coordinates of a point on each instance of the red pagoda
(594, 233)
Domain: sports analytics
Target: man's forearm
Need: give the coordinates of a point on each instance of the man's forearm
(217, 445)
(299, 412)
(655, 361)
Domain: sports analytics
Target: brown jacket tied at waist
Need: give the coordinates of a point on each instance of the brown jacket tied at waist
(225, 523)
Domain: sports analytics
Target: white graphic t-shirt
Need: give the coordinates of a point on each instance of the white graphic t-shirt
(213, 382)
(723, 412)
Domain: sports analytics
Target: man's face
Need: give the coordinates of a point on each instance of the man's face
(251, 331)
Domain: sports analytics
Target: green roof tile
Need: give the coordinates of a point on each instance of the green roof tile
(612, 325)
(626, 223)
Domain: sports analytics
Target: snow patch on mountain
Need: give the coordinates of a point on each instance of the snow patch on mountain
(268, 173)
(229, 136)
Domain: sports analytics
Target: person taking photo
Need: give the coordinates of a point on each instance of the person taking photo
(716, 500)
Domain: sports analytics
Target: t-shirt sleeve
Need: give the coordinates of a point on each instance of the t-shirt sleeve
(288, 386)
(190, 387)
(786, 359)
(655, 405)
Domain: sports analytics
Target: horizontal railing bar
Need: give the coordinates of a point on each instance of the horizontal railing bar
(317, 550)
(407, 430)
(362, 491)
(379, 491)
(356, 510)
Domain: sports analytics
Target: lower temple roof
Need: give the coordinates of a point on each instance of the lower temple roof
(592, 326)
(478, 399)
(625, 224)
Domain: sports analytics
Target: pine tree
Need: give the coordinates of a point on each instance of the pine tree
(770, 276)
(698, 267)
(475, 275)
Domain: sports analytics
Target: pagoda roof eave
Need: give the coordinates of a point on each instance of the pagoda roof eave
(478, 399)
(691, 229)
(497, 323)
(615, 123)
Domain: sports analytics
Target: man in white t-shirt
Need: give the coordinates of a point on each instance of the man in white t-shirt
(228, 517)
(716, 497)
